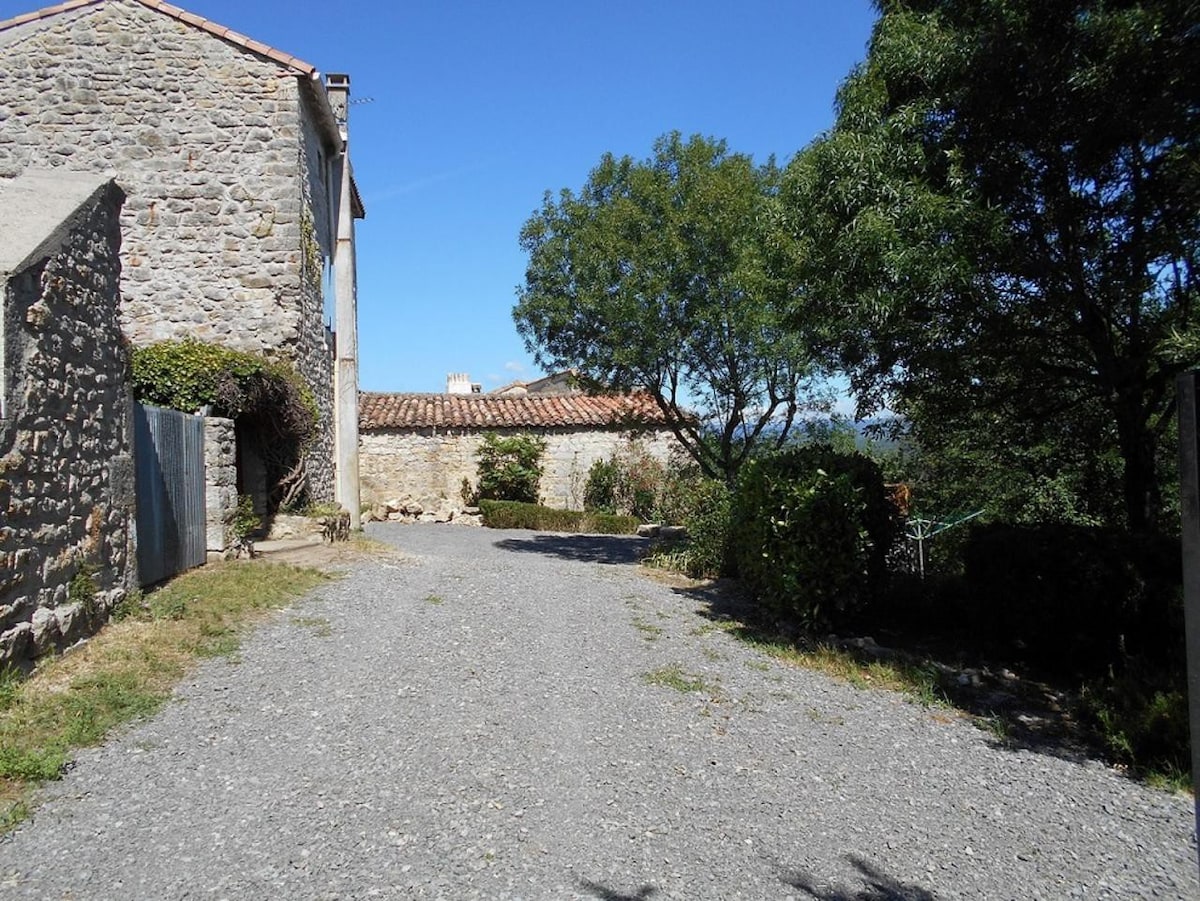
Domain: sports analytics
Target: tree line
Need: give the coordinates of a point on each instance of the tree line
(996, 240)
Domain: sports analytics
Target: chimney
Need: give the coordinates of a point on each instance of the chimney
(337, 87)
(460, 383)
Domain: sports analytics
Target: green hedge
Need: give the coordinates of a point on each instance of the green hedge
(810, 531)
(517, 515)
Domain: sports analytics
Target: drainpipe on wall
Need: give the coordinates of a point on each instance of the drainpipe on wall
(345, 286)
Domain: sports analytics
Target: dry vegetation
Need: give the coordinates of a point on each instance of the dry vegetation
(129, 669)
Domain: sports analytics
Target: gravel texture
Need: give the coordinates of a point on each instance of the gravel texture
(476, 720)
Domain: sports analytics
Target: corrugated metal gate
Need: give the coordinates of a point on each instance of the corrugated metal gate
(169, 454)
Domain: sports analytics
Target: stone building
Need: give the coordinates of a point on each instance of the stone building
(66, 467)
(238, 223)
(420, 447)
(555, 383)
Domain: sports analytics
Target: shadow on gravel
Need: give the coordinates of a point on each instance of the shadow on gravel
(877, 886)
(614, 549)
(1018, 713)
(604, 893)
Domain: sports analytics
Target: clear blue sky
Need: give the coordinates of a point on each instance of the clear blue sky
(477, 108)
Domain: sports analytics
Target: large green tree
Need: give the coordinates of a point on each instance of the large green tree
(667, 274)
(1008, 214)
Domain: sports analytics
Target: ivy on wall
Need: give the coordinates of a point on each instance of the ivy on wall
(189, 375)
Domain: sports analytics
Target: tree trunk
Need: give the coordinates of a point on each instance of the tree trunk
(1143, 499)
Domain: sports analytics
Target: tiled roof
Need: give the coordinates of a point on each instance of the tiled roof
(298, 66)
(492, 411)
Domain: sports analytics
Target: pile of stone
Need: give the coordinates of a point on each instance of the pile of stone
(409, 510)
(285, 526)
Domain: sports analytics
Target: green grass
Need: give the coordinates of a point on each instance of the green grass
(436, 599)
(677, 561)
(319, 624)
(674, 677)
(1169, 778)
(650, 632)
(129, 668)
(716, 625)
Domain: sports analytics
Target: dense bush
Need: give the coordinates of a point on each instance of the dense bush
(810, 531)
(629, 482)
(600, 491)
(518, 515)
(701, 506)
(1074, 597)
(510, 468)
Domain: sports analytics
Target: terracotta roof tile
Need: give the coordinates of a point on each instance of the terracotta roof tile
(491, 411)
(298, 66)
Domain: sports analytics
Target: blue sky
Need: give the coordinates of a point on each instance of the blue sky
(469, 111)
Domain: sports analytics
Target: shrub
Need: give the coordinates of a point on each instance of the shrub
(245, 521)
(1076, 597)
(609, 524)
(600, 492)
(510, 468)
(518, 515)
(1141, 715)
(810, 531)
(701, 506)
(630, 482)
(707, 524)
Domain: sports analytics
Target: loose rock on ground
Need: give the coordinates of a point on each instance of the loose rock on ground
(520, 715)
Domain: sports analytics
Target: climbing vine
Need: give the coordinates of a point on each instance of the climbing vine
(314, 263)
(189, 374)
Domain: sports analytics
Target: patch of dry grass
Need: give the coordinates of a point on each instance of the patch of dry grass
(129, 668)
(919, 683)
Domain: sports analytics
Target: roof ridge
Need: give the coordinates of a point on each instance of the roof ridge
(294, 63)
(383, 410)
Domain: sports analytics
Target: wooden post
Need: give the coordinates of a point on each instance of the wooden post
(1189, 486)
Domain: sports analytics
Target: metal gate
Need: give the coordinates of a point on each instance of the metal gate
(169, 455)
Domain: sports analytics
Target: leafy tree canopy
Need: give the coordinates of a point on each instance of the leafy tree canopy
(1007, 214)
(668, 274)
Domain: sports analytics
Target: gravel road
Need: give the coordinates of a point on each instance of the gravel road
(500, 715)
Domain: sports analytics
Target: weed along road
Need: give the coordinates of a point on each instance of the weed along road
(520, 715)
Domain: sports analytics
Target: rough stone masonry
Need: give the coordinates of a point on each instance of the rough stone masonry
(66, 470)
(226, 157)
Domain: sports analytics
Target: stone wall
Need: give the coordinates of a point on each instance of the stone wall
(226, 224)
(66, 471)
(428, 467)
(314, 349)
(220, 483)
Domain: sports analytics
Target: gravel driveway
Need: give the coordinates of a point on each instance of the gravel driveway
(500, 715)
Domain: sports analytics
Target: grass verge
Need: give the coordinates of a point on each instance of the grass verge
(128, 669)
(1135, 721)
(918, 683)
